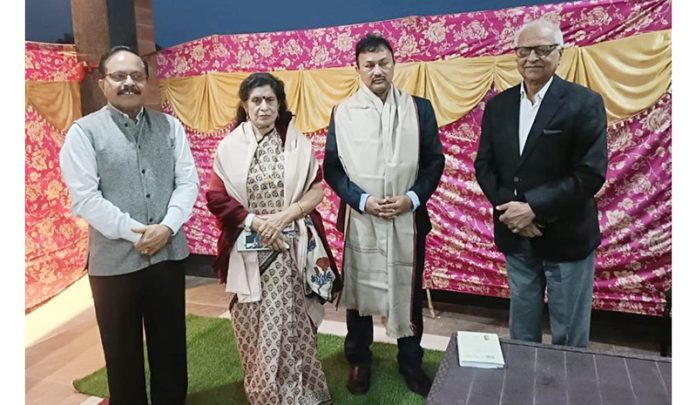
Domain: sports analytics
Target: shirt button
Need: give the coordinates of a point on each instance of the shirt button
(147, 195)
(149, 220)
(142, 171)
(126, 125)
(516, 179)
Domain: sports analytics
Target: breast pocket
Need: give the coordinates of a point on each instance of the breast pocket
(552, 132)
(555, 137)
(554, 146)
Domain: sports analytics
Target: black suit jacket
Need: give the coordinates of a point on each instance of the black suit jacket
(562, 166)
(431, 163)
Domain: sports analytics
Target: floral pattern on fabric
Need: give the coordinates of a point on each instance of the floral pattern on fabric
(414, 39)
(55, 241)
(51, 62)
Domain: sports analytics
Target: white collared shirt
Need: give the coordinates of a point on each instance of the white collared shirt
(79, 165)
(528, 111)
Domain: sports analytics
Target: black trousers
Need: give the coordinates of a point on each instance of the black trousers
(153, 297)
(360, 330)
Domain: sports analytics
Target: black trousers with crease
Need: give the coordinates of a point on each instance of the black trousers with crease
(152, 298)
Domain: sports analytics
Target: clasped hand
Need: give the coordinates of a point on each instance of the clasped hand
(270, 229)
(152, 239)
(388, 207)
(519, 217)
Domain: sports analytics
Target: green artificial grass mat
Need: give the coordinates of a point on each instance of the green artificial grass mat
(215, 373)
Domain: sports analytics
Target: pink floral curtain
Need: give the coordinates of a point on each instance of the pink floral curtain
(634, 261)
(55, 243)
(482, 33)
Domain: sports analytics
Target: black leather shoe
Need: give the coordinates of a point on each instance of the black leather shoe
(416, 380)
(359, 380)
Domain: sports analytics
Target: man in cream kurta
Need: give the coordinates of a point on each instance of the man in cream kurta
(384, 160)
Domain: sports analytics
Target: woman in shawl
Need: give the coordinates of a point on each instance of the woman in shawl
(266, 183)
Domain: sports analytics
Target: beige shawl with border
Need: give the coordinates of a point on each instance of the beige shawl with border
(231, 163)
(378, 147)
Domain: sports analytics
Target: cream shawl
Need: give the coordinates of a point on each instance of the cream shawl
(231, 163)
(378, 147)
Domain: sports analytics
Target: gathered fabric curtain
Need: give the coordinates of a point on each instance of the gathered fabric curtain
(631, 74)
(55, 242)
(619, 48)
(57, 102)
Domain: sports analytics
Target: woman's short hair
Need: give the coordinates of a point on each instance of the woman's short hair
(255, 80)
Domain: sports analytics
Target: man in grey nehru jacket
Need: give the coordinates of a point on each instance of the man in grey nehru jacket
(131, 176)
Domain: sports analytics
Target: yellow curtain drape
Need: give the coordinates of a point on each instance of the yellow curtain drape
(456, 86)
(630, 73)
(206, 102)
(319, 90)
(58, 102)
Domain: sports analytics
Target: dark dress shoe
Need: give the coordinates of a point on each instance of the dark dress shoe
(416, 380)
(359, 380)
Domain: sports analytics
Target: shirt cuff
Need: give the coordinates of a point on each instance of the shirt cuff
(171, 222)
(363, 202)
(131, 236)
(248, 220)
(414, 200)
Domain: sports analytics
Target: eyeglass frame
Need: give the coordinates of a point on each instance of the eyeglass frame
(536, 50)
(127, 75)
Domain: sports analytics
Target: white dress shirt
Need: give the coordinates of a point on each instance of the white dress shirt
(79, 165)
(528, 111)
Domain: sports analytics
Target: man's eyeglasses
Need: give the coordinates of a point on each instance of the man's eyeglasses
(123, 76)
(541, 51)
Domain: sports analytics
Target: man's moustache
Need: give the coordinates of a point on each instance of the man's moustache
(129, 89)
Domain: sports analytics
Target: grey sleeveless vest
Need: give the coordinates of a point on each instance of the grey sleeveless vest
(135, 166)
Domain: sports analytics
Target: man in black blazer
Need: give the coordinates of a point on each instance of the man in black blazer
(541, 159)
(361, 132)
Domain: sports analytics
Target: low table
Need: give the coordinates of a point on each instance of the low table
(547, 374)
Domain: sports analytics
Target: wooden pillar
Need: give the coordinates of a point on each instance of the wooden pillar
(91, 32)
(100, 24)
